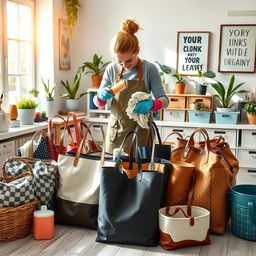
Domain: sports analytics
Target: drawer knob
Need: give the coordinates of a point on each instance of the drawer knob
(252, 152)
(251, 171)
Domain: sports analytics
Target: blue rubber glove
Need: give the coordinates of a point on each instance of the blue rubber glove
(143, 107)
(104, 94)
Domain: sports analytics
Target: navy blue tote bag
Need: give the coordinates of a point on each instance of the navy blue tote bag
(128, 207)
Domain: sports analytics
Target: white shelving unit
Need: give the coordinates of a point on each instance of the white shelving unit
(94, 111)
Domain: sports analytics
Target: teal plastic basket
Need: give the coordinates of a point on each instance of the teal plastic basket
(226, 117)
(243, 211)
(199, 116)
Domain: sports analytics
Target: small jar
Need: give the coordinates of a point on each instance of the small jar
(43, 224)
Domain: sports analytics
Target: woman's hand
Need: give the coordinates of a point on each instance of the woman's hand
(143, 107)
(104, 94)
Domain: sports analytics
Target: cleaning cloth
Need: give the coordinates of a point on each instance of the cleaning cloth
(141, 119)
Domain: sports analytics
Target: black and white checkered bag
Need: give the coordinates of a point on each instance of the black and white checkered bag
(44, 172)
(15, 191)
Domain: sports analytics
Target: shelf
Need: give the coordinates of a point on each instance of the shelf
(99, 111)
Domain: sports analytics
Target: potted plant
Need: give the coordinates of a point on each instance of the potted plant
(224, 95)
(71, 10)
(34, 92)
(26, 110)
(96, 68)
(180, 84)
(226, 114)
(164, 70)
(201, 88)
(200, 114)
(72, 102)
(49, 101)
(250, 109)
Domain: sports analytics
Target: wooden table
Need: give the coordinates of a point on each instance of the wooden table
(58, 124)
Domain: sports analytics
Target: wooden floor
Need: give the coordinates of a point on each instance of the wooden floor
(74, 241)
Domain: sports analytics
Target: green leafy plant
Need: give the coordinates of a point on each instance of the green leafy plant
(203, 75)
(250, 107)
(72, 7)
(72, 90)
(163, 70)
(49, 91)
(34, 91)
(201, 107)
(224, 95)
(179, 78)
(25, 103)
(96, 67)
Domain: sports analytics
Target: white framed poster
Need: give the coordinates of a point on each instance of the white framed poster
(192, 52)
(237, 48)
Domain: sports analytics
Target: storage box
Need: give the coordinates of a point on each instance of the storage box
(226, 117)
(174, 115)
(176, 102)
(199, 116)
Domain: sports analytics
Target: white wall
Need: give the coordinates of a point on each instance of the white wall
(99, 20)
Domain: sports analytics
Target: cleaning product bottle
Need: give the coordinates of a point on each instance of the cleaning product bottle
(43, 224)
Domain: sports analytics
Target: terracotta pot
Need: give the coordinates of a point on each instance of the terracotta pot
(179, 88)
(13, 112)
(251, 118)
(96, 80)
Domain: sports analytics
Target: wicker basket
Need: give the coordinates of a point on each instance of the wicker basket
(16, 221)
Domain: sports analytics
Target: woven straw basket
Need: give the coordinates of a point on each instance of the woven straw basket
(16, 221)
(178, 231)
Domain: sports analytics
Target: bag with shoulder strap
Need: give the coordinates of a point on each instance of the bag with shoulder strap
(78, 195)
(216, 170)
(130, 196)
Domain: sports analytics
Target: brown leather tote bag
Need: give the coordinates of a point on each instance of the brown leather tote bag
(179, 183)
(216, 169)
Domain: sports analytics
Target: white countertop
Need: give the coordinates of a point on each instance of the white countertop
(23, 129)
(186, 124)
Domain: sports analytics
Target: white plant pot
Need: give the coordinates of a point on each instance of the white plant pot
(72, 104)
(49, 106)
(226, 109)
(26, 116)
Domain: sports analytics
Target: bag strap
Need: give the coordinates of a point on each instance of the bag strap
(131, 157)
(16, 158)
(191, 143)
(78, 153)
(76, 127)
(153, 128)
(178, 209)
(172, 133)
(42, 133)
(53, 152)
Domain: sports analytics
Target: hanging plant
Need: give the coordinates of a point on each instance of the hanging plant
(72, 13)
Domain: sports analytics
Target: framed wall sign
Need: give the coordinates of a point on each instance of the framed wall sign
(237, 48)
(64, 46)
(192, 52)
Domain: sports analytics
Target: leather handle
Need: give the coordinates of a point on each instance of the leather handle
(30, 147)
(170, 134)
(78, 153)
(191, 143)
(178, 209)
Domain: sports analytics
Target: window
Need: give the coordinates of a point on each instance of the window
(18, 48)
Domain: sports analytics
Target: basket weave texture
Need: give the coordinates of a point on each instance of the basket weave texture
(16, 221)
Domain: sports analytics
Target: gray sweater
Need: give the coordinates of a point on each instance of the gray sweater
(150, 76)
